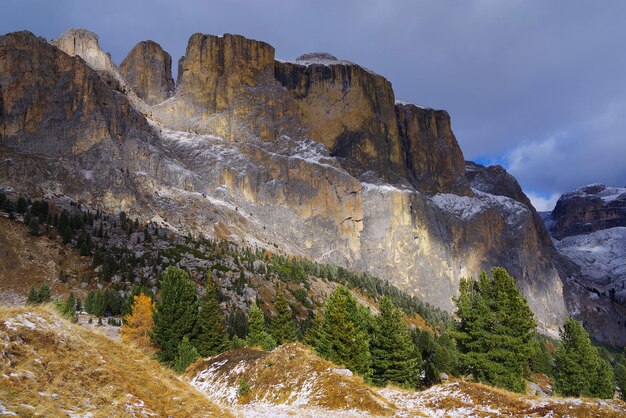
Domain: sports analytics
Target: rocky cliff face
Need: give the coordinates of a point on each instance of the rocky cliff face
(588, 209)
(589, 227)
(54, 104)
(349, 109)
(311, 157)
(148, 71)
(434, 159)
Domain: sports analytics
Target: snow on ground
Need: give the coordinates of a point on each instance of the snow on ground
(608, 194)
(600, 254)
(466, 207)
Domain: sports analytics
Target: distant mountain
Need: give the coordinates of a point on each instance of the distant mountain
(589, 226)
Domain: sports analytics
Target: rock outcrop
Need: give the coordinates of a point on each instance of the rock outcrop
(85, 44)
(434, 159)
(589, 227)
(588, 209)
(350, 110)
(54, 104)
(148, 71)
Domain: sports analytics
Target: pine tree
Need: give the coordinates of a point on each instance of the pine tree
(495, 331)
(138, 323)
(282, 325)
(394, 356)
(33, 296)
(257, 334)
(186, 354)
(176, 313)
(33, 226)
(44, 293)
(210, 334)
(579, 369)
(342, 334)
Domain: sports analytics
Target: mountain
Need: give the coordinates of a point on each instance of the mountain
(589, 227)
(312, 157)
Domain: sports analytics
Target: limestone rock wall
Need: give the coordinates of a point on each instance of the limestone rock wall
(434, 159)
(55, 104)
(148, 71)
(350, 110)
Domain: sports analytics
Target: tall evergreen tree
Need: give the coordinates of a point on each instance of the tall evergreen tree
(282, 325)
(342, 335)
(620, 377)
(210, 334)
(579, 369)
(176, 312)
(495, 330)
(33, 296)
(257, 334)
(394, 356)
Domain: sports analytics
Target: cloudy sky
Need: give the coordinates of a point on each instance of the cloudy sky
(537, 86)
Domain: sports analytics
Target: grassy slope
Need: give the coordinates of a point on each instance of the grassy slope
(27, 261)
(50, 367)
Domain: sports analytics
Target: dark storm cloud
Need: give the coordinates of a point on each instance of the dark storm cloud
(537, 85)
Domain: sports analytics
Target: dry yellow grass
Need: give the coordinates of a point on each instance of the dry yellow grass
(293, 375)
(50, 367)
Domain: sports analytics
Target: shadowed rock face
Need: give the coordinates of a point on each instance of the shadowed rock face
(350, 110)
(54, 104)
(588, 209)
(148, 71)
(433, 157)
(312, 155)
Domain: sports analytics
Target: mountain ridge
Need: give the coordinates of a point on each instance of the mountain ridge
(317, 157)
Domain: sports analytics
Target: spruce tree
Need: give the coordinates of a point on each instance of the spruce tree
(579, 369)
(495, 330)
(210, 334)
(185, 355)
(176, 312)
(342, 334)
(44, 293)
(395, 358)
(282, 325)
(620, 377)
(33, 296)
(257, 334)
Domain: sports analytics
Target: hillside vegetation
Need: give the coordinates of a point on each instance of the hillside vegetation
(51, 367)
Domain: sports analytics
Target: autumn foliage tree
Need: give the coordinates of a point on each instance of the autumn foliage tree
(139, 322)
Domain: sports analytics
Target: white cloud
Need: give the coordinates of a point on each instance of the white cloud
(543, 203)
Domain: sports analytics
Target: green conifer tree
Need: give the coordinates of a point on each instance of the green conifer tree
(185, 355)
(495, 330)
(176, 312)
(579, 369)
(394, 356)
(620, 377)
(44, 293)
(33, 296)
(257, 334)
(282, 325)
(210, 334)
(342, 334)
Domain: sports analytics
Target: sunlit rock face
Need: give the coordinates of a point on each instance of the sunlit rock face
(148, 71)
(312, 157)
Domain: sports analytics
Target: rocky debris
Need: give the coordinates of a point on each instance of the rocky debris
(588, 209)
(433, 157)
(148, 71)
